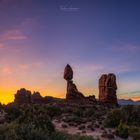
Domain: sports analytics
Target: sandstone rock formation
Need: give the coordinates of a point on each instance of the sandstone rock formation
(108, 88)
(102, 87)
(23, 96)
(72, 91)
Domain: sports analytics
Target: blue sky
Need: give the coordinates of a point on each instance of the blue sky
(39, 37)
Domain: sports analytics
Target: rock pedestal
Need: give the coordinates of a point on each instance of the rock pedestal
(108, 88)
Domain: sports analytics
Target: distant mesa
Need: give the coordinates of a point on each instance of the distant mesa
(128, 102)
(108, 88)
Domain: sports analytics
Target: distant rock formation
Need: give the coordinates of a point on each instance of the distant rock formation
(23, 96)
(91, 98)
(108, 88)
(36, 98)
(72, 92)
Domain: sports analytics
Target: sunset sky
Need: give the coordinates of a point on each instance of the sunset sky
(39, 37)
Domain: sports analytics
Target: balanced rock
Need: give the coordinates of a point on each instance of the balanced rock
(108, 88)
(72, 91)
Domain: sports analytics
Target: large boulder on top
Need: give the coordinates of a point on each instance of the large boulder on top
(68, 73)
(108, 88)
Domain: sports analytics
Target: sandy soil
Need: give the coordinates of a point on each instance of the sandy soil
(74, 130)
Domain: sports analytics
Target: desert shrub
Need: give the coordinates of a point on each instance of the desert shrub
(134, 132)
(113, 118)
(53, 110)
(2, 106)
(36, 116)
(65, 136)
(7, 131)
(33, 122)
(12, 111)
(74, 119)
(30, 132)
(131, 115)
(67, 109)
(89, 112)
(14, 131)
(50, 110)
(78, 112)
(122, 130)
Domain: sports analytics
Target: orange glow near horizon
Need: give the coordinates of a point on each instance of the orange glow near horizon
(7, 96)
(40, 39)
(7, 92)
(135, 98)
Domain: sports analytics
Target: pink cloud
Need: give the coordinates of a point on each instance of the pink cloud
(128, 48)
(7, 70)
(30, 66)
(90, 67)
(13, 35)
(24, 66)
(2, 46)
(18, 32)
(95, 67)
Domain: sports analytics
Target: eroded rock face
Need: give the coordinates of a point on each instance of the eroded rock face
(23, 96)
(102, 87)
(108, 88)
(72, 91)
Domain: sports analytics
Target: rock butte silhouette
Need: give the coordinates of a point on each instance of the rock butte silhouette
(107, 88)
(107, 92)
